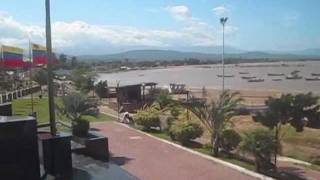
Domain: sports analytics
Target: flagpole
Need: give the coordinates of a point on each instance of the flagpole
(30, 76)
(53, 128)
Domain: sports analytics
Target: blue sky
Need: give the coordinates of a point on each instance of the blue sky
(107, 26)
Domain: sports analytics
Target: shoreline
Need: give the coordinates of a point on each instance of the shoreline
(250, 97)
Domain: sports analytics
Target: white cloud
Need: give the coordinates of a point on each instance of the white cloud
(79, 37)
(220, 10)
(180, 12)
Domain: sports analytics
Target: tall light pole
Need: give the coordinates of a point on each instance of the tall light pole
(223, 21)
(53, 128)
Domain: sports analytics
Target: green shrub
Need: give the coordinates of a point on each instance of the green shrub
(147, 118)
(229, 140)
(184, 131)
(80, 128)
(261, 144)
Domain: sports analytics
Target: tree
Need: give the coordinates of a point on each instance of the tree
(101, 89)
(261, 144)
(216, 115)
(63, 58)
(84, 79)
(289, 109)
(40, 77)
(74, 107)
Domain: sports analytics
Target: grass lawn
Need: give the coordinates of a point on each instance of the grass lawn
(22, 107)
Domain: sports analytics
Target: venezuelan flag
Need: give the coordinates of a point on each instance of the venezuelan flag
(12, 57)
(39, 55)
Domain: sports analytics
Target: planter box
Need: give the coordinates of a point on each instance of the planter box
(95, 144)
(56, 154)
(19, 158)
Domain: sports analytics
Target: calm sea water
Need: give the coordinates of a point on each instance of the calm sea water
(199, 76)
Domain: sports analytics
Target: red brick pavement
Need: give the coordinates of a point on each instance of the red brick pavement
(151, 159)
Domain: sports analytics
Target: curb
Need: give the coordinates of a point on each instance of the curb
(224, 163)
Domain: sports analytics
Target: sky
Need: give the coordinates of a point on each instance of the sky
(112, 26)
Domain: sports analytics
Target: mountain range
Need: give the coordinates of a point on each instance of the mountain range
(202, 54)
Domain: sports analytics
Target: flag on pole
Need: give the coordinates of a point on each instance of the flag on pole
(12, 57)
(39, 55)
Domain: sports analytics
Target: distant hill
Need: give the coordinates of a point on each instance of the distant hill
(153, 55)
(308, 52)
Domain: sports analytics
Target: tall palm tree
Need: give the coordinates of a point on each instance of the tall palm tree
(215, 116)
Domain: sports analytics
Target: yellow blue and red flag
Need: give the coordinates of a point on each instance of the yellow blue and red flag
(12, 57)
(39, 55)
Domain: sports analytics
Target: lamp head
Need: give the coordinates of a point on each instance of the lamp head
(223, 20)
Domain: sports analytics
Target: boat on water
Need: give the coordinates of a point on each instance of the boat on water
(295, 72)
(226, 76)
(248, 77)
(244, 73)
(256, 80)
(313, 79)
(315, 74)
(293, 77)
(275, 74)
(276, 79)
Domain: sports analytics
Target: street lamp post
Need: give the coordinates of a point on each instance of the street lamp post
(53, 128)
(223, 21)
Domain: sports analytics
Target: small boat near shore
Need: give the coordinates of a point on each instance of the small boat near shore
(276, 79)
(313, 79)
(248, 77)
(226, 76)
(275, 74)
(244, 73)
(293, 77)
(315, 74)
(256, 80)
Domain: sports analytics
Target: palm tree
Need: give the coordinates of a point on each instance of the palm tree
(75, 106)
(216, 115)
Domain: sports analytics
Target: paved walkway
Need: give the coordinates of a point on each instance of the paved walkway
(151, 159)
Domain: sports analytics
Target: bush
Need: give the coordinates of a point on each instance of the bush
(261, 144)
(80, 128)
(184, 131)
(229, 140)
(147, 118)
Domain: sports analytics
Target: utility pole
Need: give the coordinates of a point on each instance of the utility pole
(118, 100)
(223, 21)
(53, 128)
(30, 77)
